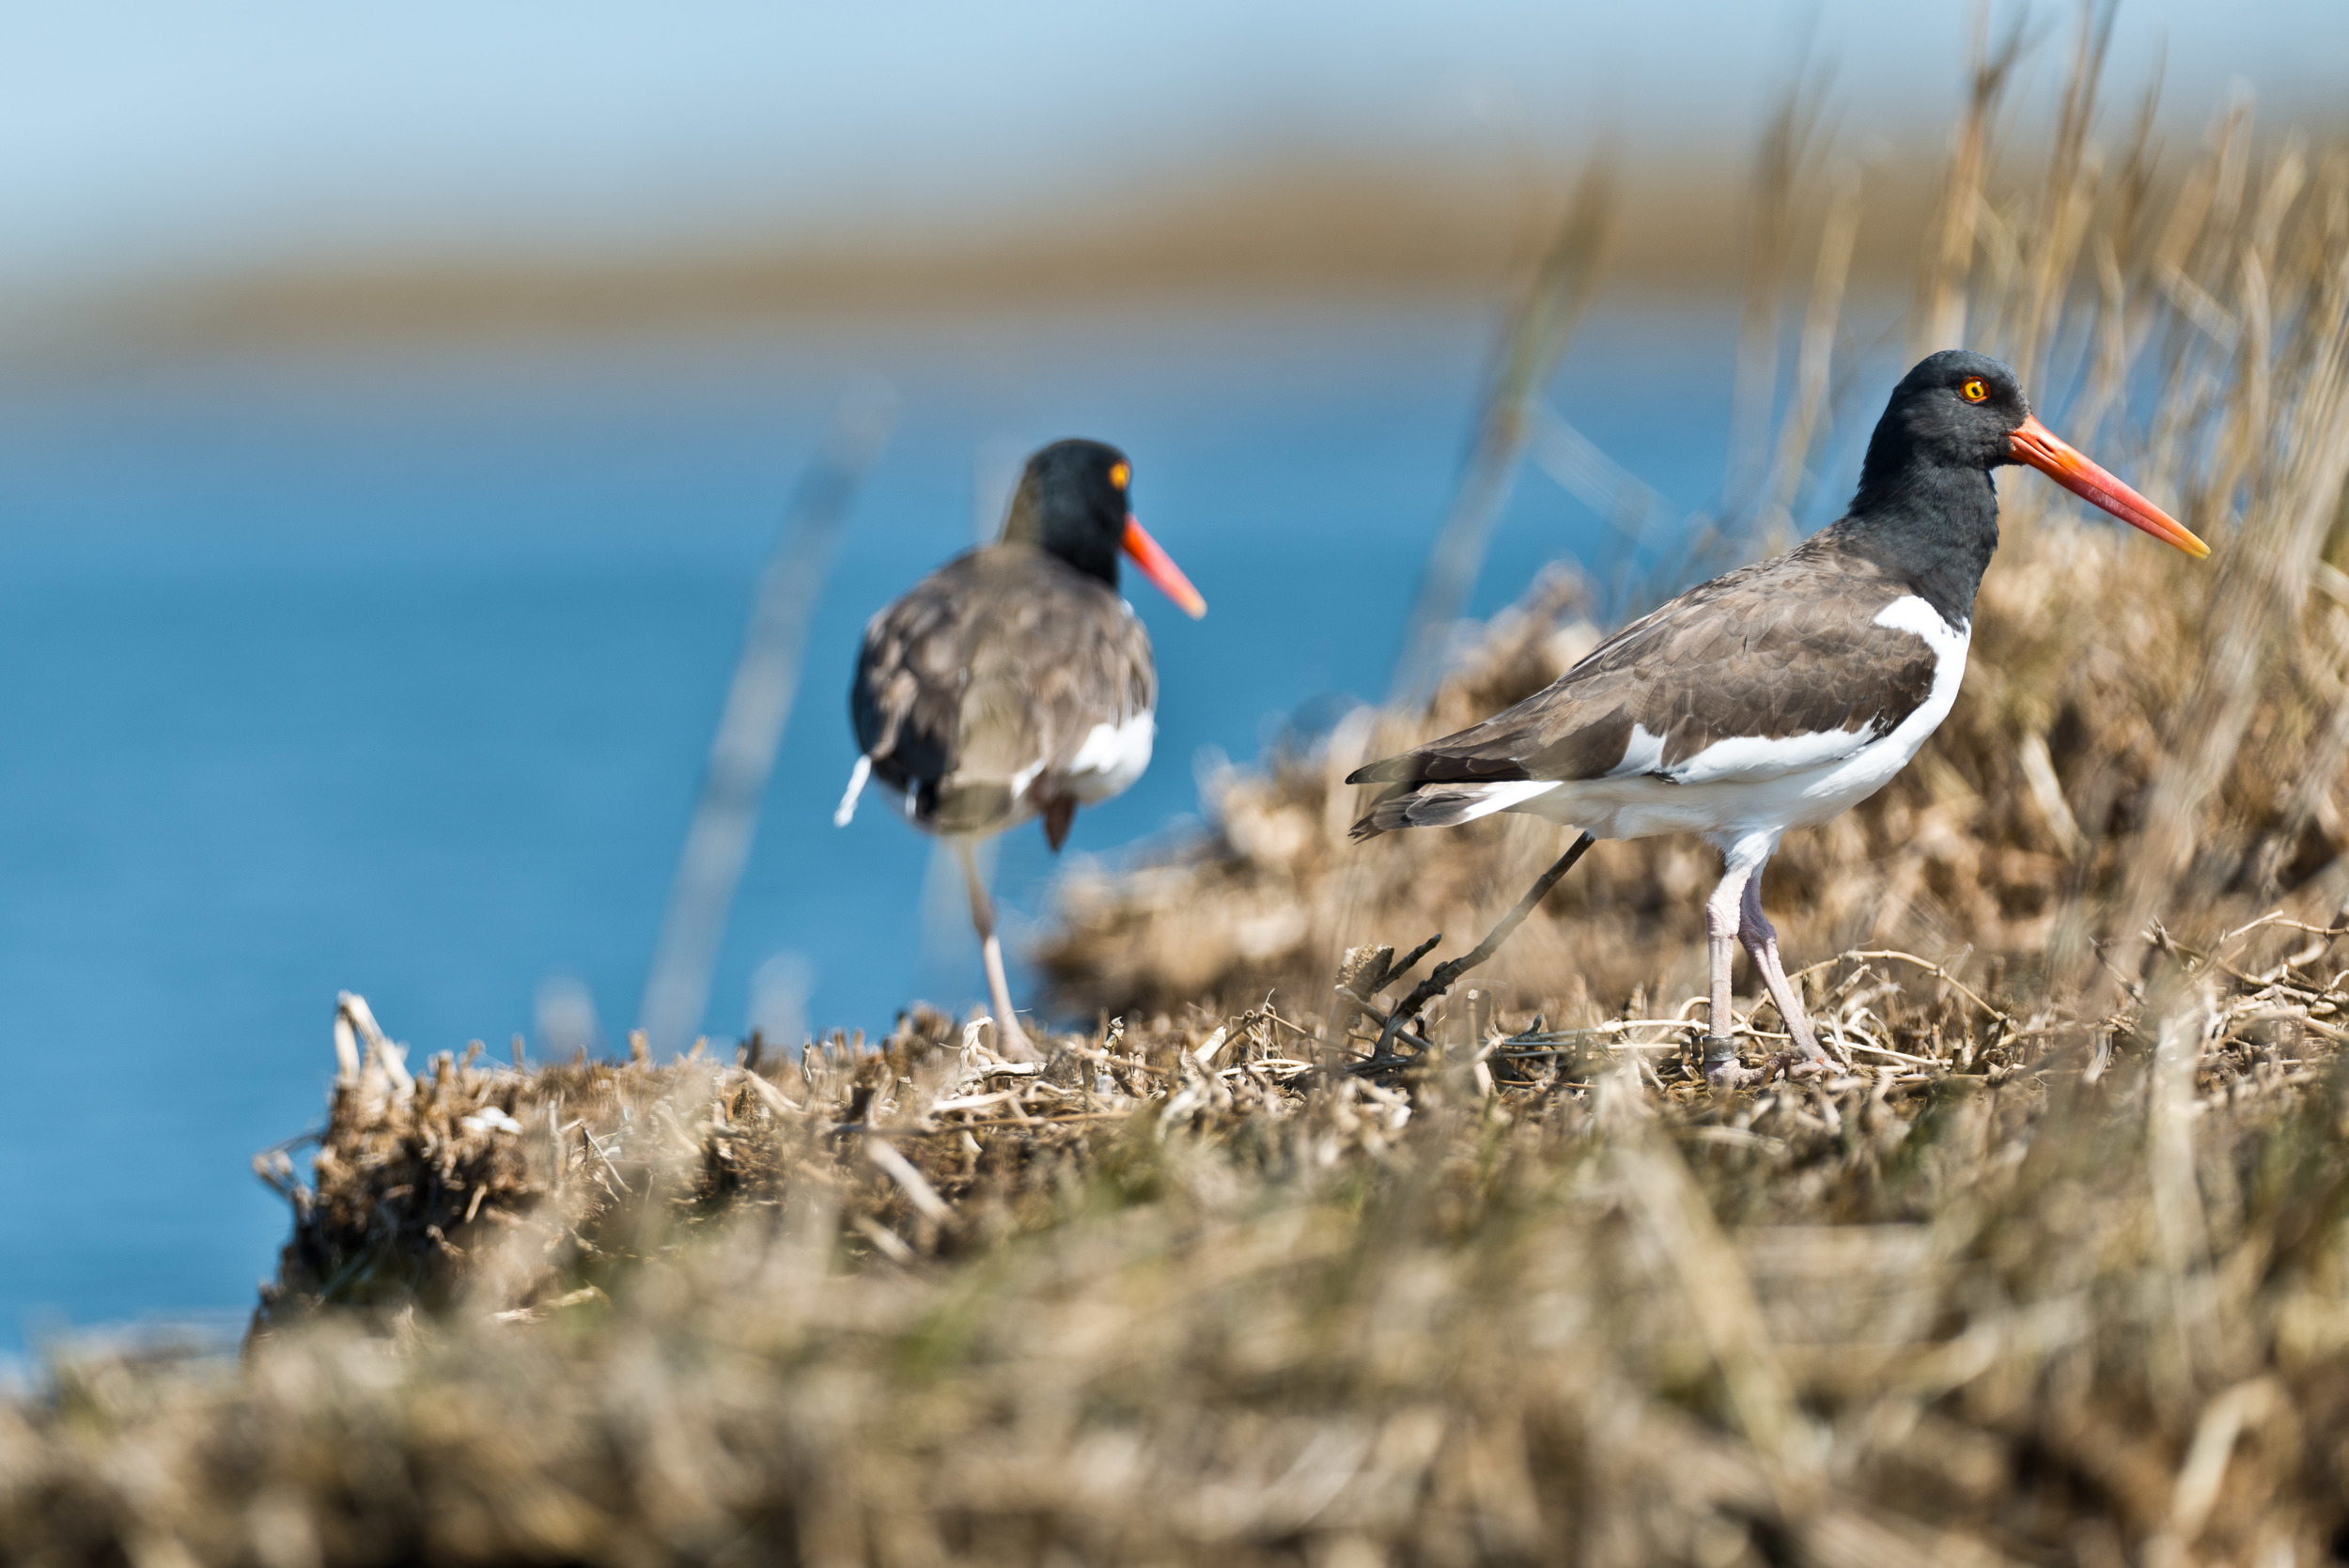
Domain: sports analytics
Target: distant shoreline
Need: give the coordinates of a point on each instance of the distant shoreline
(1308, 231)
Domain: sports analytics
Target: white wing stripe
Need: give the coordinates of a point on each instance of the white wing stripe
(1491, 797)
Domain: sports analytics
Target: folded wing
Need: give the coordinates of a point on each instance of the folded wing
(978, 691)
(1738, 679)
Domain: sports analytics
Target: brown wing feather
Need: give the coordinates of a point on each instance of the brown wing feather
(1001, 660)
(1785, 647)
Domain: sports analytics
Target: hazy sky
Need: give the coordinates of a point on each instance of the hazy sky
(144, 135)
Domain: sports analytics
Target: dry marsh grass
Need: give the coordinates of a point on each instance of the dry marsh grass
(2053, 1269)
(1989, 1294)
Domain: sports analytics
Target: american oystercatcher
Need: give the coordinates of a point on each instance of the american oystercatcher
(1781, 694)
(1013, 681)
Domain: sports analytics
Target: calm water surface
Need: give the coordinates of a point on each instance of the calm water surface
(394, 672)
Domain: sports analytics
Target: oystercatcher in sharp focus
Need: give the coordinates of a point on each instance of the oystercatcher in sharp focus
(1013, 681)
(1783, 693)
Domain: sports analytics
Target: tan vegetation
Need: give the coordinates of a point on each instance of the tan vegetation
(1989, 1294)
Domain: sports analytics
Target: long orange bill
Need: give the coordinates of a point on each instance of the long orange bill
(1159, 567)
(2068, 466)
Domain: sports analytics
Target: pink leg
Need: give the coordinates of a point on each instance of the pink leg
(1011, 1041)
(1760, 939)
(1721, 1068)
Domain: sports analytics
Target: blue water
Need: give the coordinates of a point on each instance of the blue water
(394, 672)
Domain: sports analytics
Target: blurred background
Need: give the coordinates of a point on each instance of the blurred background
(396, 408)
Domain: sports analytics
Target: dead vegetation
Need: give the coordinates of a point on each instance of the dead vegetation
(2053, 1269)
(2005, 1289)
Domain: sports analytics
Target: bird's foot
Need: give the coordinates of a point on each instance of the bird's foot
(1799, 1067)
(1012, 1043)
(1722, 1070)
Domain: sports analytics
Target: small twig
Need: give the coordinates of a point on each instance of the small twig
(970, 1102)
(1609, 1026)
(1895, 1055)
(891, 1245)
(1297, 1030)
(1057, 1119)
(2276, 918)
(1939, 972)
(918, 1190)
(773, 1098)
(595, 1144)
(1445, 973)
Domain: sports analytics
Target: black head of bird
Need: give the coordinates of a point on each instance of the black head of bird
(1959, 414)
(1073, 501)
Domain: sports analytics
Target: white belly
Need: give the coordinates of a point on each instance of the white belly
(1107, 762)
(1643, 806)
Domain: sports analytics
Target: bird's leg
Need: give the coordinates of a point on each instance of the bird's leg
(1721, 1068)
(1760, 939)
(1440, 980)
(1011, 1041)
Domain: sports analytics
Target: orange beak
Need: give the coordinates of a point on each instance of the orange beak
(1159, 567)
(2068, 466)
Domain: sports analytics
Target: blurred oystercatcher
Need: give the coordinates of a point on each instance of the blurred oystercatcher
(1783, 693)
(1013, 681)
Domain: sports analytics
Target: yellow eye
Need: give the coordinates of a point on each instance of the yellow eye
(1119, 473)
(1974, 391)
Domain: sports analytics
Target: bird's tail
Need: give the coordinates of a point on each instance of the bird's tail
(845, 812)
(1444, 805)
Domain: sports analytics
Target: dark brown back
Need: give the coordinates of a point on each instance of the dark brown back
(1000, 660)
(1785, 647)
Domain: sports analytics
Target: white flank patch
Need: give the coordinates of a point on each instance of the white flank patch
(1751, 758)
(1491, 797)
(1828, 791)
(1741, 759)
(1912, 614)
(1874, 764)
(1111, 758)
(1026, 776)
(846, 810)
(1644, 755)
